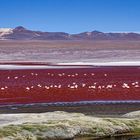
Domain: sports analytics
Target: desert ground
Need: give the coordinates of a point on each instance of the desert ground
(69, 51)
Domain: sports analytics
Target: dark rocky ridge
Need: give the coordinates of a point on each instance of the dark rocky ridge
(21, 33)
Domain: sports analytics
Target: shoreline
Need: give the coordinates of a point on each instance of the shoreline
(99, 110)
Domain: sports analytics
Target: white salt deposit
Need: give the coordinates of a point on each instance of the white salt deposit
(69, 65)
(121, 63)
(4, 67)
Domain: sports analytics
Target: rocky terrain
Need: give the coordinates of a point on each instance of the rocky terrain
(63, 125)
(21, 33)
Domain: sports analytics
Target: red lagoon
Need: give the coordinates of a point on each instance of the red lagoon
(24, 84)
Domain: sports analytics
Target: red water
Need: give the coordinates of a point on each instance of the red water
(71, 84)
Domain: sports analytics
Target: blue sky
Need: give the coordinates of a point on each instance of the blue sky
(72, 16)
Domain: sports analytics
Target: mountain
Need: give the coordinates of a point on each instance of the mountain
(21, 33)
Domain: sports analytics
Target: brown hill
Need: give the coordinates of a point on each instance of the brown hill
(21, 33)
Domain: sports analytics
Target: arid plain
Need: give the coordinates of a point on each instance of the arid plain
(66, 51)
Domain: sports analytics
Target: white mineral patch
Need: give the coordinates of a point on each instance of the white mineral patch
(121, 63)
(13, 67)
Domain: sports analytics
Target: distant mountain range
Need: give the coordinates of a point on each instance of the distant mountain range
(21, 33)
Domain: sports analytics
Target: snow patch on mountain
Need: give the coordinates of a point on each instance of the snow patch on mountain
(5, 31)
(88, 33)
